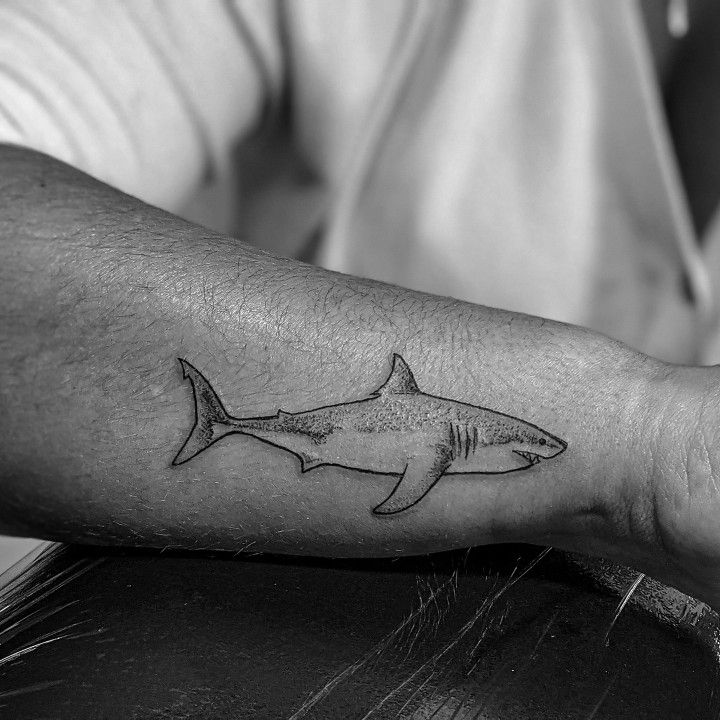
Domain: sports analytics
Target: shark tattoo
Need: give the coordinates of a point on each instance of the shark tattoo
(397, 430)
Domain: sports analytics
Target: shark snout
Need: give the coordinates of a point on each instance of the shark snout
(547, 447)
(540, 447)
(551, 446)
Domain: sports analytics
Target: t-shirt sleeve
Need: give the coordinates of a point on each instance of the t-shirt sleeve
(146, 95)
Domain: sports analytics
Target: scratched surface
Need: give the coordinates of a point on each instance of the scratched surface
(509, 632)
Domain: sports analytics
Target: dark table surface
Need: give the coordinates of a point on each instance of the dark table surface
(502, 632)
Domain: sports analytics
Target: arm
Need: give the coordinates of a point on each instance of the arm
(102, 294)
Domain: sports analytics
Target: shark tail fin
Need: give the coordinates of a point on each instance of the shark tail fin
(211, 419)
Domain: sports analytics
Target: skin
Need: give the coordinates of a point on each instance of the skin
(101, 294)
(398, 430)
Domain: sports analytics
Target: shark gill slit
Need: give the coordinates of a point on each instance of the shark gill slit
(457, 448)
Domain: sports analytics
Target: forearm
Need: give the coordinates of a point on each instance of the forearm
(102, 294)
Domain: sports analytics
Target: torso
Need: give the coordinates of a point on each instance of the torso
(688, 71)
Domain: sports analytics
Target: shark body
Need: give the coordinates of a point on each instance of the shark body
(397, 430)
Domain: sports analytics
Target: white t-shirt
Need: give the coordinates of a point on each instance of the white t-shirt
(512, 154)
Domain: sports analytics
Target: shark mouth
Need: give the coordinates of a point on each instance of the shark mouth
(532, 458)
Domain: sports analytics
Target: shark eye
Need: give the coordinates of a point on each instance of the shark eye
(542, 441)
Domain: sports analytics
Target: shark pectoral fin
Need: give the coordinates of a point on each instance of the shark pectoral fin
(421, 473)
(308, 462)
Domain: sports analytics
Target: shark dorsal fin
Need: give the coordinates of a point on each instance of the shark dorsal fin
(400, 381)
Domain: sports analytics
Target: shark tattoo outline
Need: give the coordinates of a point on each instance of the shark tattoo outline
(397, 430)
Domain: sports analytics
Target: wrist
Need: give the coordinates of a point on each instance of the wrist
(674, 517)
